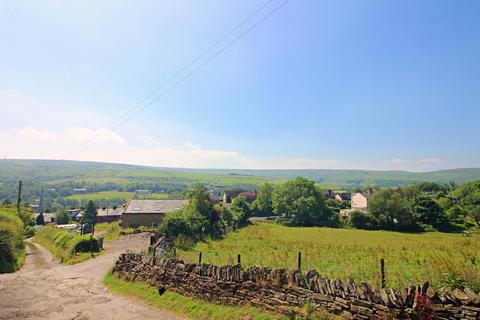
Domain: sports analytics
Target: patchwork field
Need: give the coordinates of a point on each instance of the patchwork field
(443, 259)
(105, 195)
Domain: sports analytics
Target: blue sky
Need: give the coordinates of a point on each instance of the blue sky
(319, 84)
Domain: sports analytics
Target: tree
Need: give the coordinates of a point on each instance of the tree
(39, 220)
(390, 210)
(240, 210)
(262, 206)
(302, 201)
(363, 220)
(62, 217)
(428, 211)
(475, 214)
(90, 213)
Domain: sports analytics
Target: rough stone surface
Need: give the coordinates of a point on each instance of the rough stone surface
(281, 290)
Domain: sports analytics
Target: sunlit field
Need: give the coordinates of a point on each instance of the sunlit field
(443, 259)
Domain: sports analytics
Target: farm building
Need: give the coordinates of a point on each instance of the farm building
(148, 212)
(109, 214)
(229, 195)
(360, 200)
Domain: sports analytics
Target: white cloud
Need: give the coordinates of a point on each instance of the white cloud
(37, 134)
(429, 161)
(100, 136)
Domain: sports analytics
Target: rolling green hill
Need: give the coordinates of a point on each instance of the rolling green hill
(64, 176)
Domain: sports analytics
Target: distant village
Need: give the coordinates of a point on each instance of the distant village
(150, 212)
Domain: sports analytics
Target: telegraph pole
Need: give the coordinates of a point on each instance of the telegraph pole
(40, 205)
(19, 199)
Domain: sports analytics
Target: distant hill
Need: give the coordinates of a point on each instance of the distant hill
(62, 170)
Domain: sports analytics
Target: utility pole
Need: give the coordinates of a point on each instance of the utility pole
(19, 199)
(40, 205)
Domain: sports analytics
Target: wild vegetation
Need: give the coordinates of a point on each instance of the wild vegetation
(69, 247)
(14, 227)
(443, 259)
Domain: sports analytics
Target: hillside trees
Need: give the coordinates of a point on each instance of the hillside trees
(200, 217)
(427, 211)
(62, 216)
(262, 206)
(303, 202)
(390, 210)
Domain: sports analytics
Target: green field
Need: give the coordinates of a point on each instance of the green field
(106, 195)
(443, 259)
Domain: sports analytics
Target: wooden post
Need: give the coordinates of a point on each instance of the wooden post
(382, 271)
(200, 257)
(239, 261)
(91, 245)
(299, 261)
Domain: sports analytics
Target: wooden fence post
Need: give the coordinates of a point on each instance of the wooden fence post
(299, 261)
(200, 257)
(239, 261)
(382, 271)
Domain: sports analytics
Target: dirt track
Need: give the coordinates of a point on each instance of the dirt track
(46, 289)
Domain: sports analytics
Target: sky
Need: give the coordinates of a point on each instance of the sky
(317, 84)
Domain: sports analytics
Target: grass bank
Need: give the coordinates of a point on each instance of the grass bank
(69, 248)
(111, 230)
(443, 259)
(191, 307)
(12, 249)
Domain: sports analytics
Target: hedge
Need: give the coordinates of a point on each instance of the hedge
(65, 244)
(12, 250)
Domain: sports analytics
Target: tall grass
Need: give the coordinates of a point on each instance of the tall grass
(441, 258)
(12, 249)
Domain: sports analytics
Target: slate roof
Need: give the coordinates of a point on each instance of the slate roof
(153, 206)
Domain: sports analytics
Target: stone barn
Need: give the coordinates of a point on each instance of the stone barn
(148, 212)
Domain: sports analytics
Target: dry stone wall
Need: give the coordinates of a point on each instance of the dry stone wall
(280, 290)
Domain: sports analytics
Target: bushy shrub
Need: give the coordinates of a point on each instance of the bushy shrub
(65, 244)
(84, 244)
(11, 241)
(363, 220)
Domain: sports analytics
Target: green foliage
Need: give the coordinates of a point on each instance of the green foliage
(303, 202)
(11, 240)
(426, 210)
(62, 217)
(341, 253)
(363, 220)
(39, 220)
(198, 219)
(262, 206)
(90, 213)
(391, 210)
(67, 246)
(240, 210)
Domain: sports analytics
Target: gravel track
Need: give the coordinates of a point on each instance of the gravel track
(46, 289)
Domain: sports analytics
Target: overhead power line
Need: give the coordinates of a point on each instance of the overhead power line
(143, 104)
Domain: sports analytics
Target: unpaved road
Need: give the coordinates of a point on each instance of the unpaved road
(46, 289)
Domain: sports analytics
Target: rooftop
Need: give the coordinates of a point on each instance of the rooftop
(154, 206)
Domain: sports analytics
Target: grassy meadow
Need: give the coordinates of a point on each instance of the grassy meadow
(106, 195)
(443, 259)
